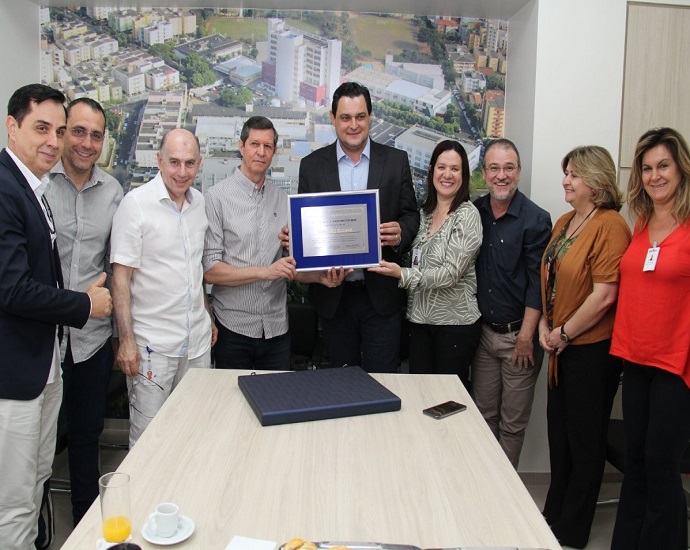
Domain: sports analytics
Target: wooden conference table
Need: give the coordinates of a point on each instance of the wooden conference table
(399, 477)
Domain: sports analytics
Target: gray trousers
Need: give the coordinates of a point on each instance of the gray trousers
(503, 393)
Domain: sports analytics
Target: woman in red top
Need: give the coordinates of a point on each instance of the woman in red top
(652, 334)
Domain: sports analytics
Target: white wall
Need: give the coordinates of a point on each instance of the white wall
(20, 47)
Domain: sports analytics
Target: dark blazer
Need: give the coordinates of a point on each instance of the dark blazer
(389, 172)
(31, 304)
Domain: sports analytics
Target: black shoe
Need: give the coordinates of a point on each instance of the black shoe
(46, 523)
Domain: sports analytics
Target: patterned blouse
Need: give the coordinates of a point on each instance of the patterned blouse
(442, 287)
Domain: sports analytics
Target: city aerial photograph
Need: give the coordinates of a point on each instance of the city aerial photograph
(208, 70)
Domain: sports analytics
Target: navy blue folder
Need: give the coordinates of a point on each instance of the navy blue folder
(287, 397)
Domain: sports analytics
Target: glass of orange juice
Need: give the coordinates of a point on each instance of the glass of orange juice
(114, 490)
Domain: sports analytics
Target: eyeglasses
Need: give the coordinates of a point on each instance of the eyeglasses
(496, 169)
(80, 133)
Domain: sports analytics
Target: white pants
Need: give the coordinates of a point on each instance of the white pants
(147, 397)
(27, 448)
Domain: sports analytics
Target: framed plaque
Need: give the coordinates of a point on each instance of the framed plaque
(335, 229)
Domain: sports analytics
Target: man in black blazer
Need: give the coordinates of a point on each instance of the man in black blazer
(31, 307)
(361, 317)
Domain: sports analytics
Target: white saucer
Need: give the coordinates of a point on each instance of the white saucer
(183, 533)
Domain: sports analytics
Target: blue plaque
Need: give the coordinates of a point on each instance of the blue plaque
(335, 229)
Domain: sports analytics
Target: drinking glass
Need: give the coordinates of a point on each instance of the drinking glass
(114, 490)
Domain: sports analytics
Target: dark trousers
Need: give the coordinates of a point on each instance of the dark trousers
(237, 351)
(444, 349)
(578, 412)
(357, 335)
(652, 510)
(81, 422)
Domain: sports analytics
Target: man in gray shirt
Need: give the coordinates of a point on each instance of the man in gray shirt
(83, 199)
(243, 258)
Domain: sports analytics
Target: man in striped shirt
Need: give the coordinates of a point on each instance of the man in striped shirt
(83, 199)
(243, 258)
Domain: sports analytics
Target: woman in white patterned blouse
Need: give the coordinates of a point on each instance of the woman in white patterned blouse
(442, 284)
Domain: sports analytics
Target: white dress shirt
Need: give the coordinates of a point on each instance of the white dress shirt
(164, 246)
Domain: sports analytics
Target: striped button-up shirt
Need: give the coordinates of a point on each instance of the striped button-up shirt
(243, 227)
(83, 220)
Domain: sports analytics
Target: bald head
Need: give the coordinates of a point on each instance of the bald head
(179, 161)
(180, 132)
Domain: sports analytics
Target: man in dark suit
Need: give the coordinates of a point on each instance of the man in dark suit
(31, 307)
(361, 317)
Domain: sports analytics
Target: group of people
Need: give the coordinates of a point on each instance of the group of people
(612, 303)
(490, 289)
(598, 299)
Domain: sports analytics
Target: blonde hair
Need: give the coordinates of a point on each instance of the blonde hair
(640, 203)
(597, 169)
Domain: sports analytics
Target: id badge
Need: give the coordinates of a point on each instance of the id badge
(416, 257)
(651, 259)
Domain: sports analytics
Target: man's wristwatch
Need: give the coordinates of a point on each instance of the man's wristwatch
(564, 337)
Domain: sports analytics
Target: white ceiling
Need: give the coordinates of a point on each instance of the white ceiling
(489, 9)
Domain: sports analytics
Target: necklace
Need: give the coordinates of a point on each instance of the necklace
(567, 240)
(552, 265)
(565, 229)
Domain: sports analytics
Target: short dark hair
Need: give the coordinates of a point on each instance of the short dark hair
(165, 137)
(350, 89)
(503, 143)
(19, 104)
(463, 193)
(92, 104)
(258, 123)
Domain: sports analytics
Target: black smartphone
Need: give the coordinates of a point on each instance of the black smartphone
(444, 409)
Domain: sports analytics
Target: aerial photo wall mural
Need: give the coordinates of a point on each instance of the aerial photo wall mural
(153, 69)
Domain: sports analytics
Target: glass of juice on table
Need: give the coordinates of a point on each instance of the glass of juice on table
(114, 489)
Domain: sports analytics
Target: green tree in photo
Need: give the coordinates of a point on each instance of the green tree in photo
(495, 82)
(236, 97)
(451, 114)
(165, 52)
(197, 72)
(112, 120)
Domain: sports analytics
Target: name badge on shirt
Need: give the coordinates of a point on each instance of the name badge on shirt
(416, 257)
(651, 258)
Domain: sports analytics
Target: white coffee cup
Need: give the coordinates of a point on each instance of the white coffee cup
(165, 521)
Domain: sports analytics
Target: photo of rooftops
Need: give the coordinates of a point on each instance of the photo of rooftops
(208, 70)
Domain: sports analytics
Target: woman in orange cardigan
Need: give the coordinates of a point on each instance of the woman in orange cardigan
(579, 289)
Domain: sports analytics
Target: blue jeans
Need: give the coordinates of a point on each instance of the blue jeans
(236, 351)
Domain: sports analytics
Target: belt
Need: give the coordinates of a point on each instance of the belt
(505, 328)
